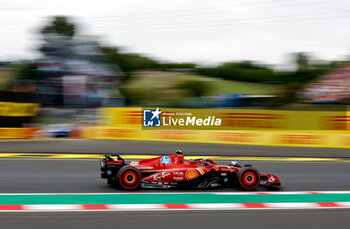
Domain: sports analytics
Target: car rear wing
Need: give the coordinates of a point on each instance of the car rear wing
(110, 157)
(110, 165)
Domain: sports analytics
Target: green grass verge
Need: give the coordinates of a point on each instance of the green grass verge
(163, 87)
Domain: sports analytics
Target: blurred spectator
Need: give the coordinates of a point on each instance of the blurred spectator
(333, 87)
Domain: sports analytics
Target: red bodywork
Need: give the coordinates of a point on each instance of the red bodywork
(174, 171)
(174, 168)
(177, 169)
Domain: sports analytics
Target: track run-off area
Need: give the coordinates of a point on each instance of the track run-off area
(42, 202)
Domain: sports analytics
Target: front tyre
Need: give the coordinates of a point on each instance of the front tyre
(248, 178)
(129, 178)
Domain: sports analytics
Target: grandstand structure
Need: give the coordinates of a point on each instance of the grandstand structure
(331, 88)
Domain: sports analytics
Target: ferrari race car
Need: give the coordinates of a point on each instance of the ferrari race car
(173, 171)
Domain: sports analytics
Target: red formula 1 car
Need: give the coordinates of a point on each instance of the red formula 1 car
(173, 171)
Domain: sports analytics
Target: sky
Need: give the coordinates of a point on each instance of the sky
(201, 31)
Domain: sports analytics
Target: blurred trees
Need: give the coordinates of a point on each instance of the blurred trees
(135, 62)
(169, 65)
(194, 88)
(251, 72)
(306, 69)
(301, 60)
(164, 88)
(26, 70)
(126, 61)
(246, 71)
(241, 71)
(305, 72)
(60, 25)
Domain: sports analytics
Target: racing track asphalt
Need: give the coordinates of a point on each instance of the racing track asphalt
(82, 175)
(76, 175)
(140, 147)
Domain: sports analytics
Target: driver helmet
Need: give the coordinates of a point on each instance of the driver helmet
(178, 151)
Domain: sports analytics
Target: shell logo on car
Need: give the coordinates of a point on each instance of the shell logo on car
(191, 174)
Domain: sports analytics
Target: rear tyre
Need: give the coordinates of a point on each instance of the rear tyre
(248, 178)
(129, 178)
